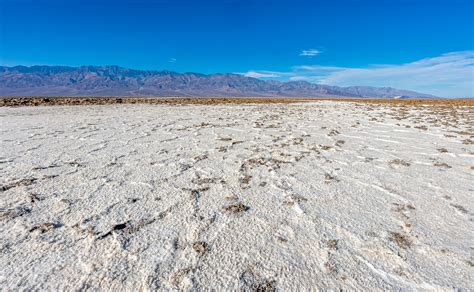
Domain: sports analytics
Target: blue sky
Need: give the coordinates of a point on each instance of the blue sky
(424, 45)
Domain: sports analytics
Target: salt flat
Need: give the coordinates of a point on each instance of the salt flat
(256, 196)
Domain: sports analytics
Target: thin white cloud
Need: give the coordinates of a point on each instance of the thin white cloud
(450, 75)
(310, 53)
(315, 68)
(447, 75)
(172, 60)
(262, 74)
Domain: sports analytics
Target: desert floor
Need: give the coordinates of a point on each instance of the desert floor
(289, 196)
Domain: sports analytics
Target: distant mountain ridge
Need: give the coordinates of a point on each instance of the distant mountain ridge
(119, 81)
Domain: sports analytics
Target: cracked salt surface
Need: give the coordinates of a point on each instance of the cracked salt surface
(255, 196)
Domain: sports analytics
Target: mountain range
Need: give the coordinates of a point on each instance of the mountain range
(119, 81)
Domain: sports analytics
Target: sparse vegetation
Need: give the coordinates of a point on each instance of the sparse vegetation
(236, 208)
(401, 240)
(399, 162)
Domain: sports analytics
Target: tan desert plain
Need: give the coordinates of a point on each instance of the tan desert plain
(227, 194)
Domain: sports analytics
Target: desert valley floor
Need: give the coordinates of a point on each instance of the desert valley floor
(287, 196)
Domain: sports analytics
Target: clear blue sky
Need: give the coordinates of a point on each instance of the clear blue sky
(318, 41)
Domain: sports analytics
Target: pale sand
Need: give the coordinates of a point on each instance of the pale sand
(332, 195)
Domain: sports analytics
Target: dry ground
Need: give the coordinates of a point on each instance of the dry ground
(255, 196)
(35, 101)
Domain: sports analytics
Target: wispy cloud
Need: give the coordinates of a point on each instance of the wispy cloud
(310, 53)
(447, 75)
(262, 74)
(172, 60)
